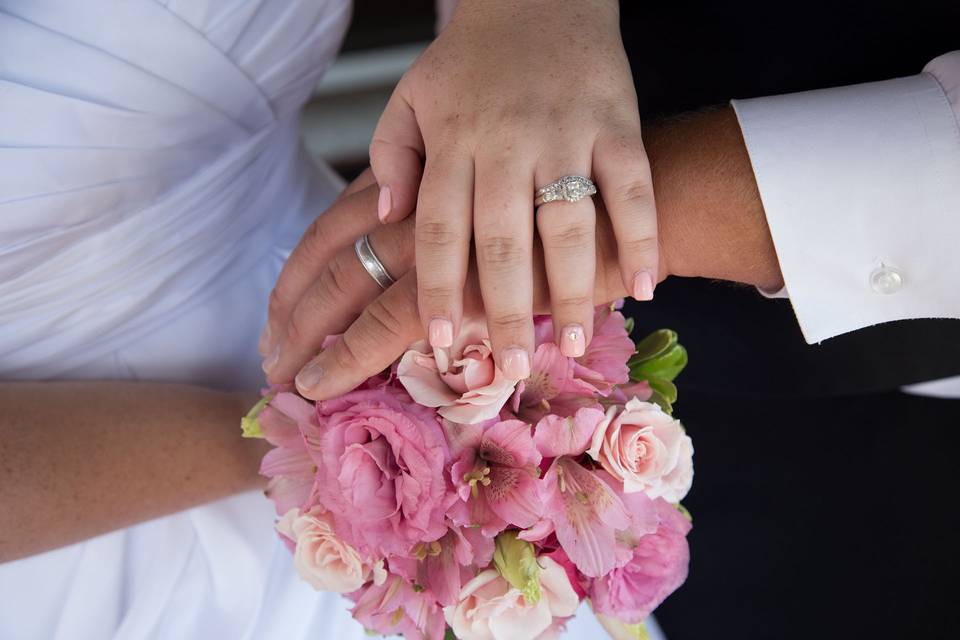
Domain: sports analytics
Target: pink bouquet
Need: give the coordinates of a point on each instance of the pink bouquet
(445, 500)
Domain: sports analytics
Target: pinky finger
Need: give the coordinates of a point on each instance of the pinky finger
(623, 176)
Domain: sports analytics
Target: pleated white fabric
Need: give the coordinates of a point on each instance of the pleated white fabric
(152, 182)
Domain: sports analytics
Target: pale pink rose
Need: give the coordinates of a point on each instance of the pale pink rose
(646, 450)
(322, 559)
(489, 608)
(466, 385)
(657, 567)
(382, 463)
(396, 608)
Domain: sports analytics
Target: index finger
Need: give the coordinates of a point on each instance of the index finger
(378, 337)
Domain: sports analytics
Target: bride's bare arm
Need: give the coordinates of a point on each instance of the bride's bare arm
(78, 459)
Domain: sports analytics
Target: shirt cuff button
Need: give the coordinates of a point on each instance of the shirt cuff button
(886, 280)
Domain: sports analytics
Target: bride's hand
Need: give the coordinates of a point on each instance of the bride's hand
(712, 225)
(327, 300)
(511, 96)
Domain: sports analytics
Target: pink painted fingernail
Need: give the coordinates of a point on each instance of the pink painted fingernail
(441, 333)
(309, 376)
(642, 286)
(384, 203)
(271, 361)
(516, 363)
(264, 343)
(572, 341)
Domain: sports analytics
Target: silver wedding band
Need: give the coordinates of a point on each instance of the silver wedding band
(371, 263)
(567, 188)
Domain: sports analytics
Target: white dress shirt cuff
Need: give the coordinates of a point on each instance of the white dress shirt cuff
(861, 188)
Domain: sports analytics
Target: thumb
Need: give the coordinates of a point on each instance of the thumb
(396, 157)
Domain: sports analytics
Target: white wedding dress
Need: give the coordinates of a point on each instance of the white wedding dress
(152, 182)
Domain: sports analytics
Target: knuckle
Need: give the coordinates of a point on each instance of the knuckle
(636, 247)
(574, 301)
(635, 191)
(347, 356)
(501, 251)
(299, 330)
(385, 323)
(574, 235)
(511, 322)
(314, 242)
(436, 294)
(276, 304)
(336, 279)
(435, 234)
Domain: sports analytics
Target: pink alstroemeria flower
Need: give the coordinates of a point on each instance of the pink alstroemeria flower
(289, 466)
(604, 363)
(396, 608)
(586, 515)
(659, 556)
(558, 436)
(445, 565)
(496, 479)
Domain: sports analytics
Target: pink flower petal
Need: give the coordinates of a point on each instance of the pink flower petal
(587, 515)
(556, 436)
(419, 376)
(513, 495)
(509, 443)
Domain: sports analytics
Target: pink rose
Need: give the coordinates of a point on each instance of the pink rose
(466, 385)
(395, 607)
(646, 450)
(489, 608)
(656, 569)
(322, 559)
(381, 462)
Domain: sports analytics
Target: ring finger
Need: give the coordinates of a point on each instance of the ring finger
(567, 231)
(337, 296)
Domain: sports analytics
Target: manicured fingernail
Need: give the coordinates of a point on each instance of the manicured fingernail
(642, 286)
(264, 343)
(271, 361)
(384, 203)
(309, 376)
(441, 333)
(572, 341)
(516, 363)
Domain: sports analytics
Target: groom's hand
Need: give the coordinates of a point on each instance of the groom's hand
(711, 225)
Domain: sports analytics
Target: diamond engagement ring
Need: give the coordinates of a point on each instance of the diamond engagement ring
(371, 262)
(569, 188)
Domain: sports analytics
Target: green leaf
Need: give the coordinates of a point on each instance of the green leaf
(666, 366)
(655, 344)
(684, 512)
(250, 423)
(620, 630)
(516, 561)
(449, 635)
(628, 324)
(665, 388)
(665, 404)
